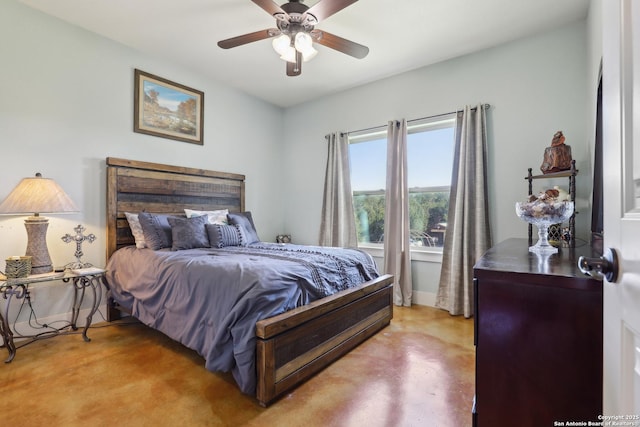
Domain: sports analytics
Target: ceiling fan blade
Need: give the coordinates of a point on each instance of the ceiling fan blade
(248, 38)
(338, 43)
(270, 7)
(295, 68)
(325, 8)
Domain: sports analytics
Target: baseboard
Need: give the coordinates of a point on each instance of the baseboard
(424, 298)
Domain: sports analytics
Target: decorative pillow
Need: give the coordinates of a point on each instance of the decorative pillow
(221, 235)
(215, 217)
(245, 220)
(136, 229)
(188, 233)
(156, 230)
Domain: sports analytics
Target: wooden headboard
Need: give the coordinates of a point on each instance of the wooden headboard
(134, 186)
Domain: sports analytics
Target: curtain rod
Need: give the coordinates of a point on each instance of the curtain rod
(487, 106)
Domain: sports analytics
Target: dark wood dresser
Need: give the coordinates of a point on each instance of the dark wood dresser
(538, 336)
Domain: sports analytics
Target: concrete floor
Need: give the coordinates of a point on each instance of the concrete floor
(419, 371)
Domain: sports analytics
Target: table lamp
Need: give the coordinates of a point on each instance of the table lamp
(35, 196)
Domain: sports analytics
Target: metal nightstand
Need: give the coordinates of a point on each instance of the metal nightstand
(81, 279)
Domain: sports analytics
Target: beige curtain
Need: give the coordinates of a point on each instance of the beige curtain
(337, 223)
(468, 233)
(397, 258)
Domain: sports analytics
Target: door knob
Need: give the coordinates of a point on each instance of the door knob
(606, 266)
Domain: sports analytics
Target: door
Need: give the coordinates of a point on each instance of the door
(621, 181)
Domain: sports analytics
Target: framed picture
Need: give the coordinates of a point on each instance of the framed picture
(167, 109)
(283, 238)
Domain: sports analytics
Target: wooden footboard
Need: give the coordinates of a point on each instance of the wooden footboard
(295, 345)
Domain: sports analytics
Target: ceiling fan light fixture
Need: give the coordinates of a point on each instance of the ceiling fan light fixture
(282, 44)
(289, 55)
(304, 45)
(309, 54)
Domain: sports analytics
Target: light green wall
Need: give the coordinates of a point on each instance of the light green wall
(66, 103)
(535, 86)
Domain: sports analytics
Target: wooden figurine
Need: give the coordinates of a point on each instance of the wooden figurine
(557, 157)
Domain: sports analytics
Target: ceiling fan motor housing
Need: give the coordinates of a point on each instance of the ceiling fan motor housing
(295, 13)
(294, 6)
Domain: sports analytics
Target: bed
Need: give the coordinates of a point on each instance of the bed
(286, 348)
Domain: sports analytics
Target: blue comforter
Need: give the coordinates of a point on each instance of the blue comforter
(210, 299)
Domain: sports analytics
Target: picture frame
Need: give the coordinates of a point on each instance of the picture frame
(167, 109)
(283, 238)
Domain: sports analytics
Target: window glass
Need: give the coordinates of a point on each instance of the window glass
(430, 149)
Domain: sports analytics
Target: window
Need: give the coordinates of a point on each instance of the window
(430, 150)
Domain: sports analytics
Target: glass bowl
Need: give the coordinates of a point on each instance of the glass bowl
(542, 214)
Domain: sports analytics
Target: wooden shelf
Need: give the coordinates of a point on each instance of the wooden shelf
(561, 174)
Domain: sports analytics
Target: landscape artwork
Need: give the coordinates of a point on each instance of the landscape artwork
(167, 109)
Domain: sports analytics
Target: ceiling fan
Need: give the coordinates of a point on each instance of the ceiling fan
(295, 32)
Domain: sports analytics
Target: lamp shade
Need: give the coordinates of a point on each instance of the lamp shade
(37, 195)
(304, 45)
(281, 44)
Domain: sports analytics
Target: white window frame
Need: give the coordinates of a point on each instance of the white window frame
(418, 253)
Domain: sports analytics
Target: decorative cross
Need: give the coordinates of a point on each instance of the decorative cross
(78, 238)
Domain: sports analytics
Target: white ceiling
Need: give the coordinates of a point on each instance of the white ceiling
(401, 34)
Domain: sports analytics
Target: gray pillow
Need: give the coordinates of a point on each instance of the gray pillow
(221, 235)
(245, 220)
(156, 230)
(188, 233)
